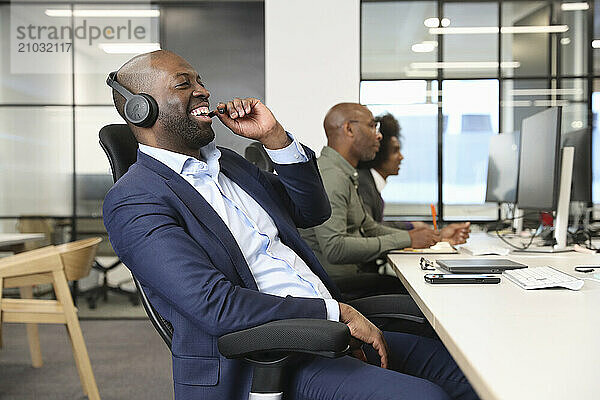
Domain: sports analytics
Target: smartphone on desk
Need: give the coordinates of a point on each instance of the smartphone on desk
(461, 278)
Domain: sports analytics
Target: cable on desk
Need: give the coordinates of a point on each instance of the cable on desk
(521, 216)
(508, 220)
(585, 232)
(525, 247)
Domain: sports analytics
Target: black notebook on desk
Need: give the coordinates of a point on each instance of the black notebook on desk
(478, 265)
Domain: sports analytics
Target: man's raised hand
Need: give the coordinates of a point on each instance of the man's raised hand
(251, 119)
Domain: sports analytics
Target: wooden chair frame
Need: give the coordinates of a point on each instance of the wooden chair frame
(49, 265)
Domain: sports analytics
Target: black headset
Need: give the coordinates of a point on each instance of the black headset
(140, 109)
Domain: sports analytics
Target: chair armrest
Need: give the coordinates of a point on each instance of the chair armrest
(311, 336)
(394, 306)
(46, 259)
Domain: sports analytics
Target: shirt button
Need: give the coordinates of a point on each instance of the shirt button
(296, 156)
(355, 174)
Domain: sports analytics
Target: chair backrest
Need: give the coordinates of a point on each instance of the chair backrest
(37, 225)
(77, 257)
(257, 155)
(29, 267)
(120, 147)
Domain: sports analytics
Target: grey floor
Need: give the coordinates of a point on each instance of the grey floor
(129, 360)
(117, 306)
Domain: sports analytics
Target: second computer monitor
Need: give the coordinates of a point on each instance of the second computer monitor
(539, 161)
(503, 168)
(581, 189)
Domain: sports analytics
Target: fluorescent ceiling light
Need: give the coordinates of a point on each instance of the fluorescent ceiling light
(550, 103)
(411, 73)
(596, 44)
(432, 22)
(545, 92)
(58, 13)
(128, 48)
(464, 65)
(577, 124)
(463, 30)
(102, 13)
(494, 29)
(535, 103)
(435, 22)
(516, 103)
(535, 29)
(574, 6)
(424, 47)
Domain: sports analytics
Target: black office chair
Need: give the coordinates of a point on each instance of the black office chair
(256, 154)
(268, 347)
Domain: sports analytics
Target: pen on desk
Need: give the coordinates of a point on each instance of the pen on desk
(434, 216)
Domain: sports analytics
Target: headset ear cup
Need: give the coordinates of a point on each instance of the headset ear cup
(152, 111)
(141, 110)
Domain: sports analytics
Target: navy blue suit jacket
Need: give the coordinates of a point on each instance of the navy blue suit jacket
(192, 269)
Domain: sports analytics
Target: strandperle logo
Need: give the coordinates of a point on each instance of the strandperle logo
(84, 31)
(44, 38)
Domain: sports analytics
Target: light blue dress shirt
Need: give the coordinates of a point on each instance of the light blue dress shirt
(276, 268)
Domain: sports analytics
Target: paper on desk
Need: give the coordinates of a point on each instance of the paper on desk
(475, 250)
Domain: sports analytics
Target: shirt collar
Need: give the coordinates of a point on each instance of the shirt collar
(184, 164)
(379, 180)
(340, 162)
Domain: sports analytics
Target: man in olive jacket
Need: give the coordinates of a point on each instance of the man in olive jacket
(351, 237)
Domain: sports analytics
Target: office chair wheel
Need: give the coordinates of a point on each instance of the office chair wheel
(92, 304)
(135, 300)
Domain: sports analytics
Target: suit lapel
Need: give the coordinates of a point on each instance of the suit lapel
(211, 220)
(204, 213)
(251, 184)
(287, 230)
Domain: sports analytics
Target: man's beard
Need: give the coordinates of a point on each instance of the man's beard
(368, 156)
(192, 134)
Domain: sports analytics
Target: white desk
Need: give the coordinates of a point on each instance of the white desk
(15, 241)
(511, 343)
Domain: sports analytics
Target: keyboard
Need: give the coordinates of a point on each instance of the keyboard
(542, 277)
(482, 250)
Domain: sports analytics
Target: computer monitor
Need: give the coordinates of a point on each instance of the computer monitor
(581, 186)
(503, 168)
(539, 161)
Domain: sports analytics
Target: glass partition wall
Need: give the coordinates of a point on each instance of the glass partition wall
(54, 100)
(456, 72)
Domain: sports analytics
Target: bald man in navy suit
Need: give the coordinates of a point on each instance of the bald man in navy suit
(214, 242)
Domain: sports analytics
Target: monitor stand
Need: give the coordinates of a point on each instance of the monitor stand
(561, 222)
(518, 220)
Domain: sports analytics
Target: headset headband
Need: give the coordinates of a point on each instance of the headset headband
(112, 82)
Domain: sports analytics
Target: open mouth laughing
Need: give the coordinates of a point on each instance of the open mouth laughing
(201, 112)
